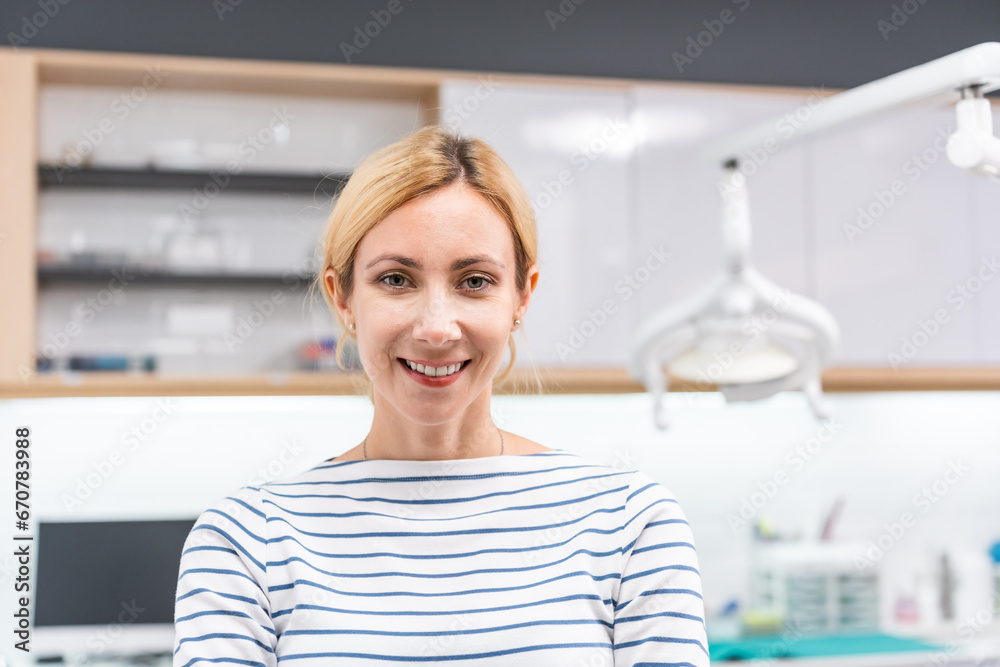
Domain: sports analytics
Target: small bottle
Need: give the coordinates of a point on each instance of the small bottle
(907, 609)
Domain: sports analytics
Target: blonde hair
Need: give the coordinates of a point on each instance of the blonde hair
(429, 159)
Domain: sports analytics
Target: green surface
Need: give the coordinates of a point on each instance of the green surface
(813, 646)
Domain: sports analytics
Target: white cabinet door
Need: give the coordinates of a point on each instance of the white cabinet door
(986, 253)
(571, 148)
(893, 239)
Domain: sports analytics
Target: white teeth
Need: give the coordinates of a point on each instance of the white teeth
(430, 371)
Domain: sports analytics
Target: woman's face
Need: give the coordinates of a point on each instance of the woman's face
(434, 284)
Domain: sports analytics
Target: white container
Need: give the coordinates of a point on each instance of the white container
(816, 586)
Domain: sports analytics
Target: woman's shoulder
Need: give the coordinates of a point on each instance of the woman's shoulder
(521, 445)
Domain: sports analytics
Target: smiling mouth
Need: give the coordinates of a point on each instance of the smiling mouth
(443, 371)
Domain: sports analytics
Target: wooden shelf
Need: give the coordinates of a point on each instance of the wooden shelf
(554, 381)
(912, 379)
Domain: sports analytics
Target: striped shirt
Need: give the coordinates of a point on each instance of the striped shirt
(537, 559)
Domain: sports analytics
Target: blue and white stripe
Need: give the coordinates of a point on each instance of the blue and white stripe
(538, 559)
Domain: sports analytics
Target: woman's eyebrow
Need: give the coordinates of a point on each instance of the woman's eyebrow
(457, 265)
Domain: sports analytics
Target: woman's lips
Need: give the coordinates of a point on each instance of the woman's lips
(428, 381)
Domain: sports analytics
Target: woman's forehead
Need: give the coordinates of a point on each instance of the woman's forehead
(441, 228)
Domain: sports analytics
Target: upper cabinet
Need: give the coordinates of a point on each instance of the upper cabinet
(894, 236)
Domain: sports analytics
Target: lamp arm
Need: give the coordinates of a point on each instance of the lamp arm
(977, 66)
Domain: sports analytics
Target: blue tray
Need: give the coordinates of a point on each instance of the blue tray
(814, 646)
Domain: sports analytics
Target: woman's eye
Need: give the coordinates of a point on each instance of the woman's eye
(398, 281)
(482, 285)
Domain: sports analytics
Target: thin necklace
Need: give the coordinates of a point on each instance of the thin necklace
(364, 444)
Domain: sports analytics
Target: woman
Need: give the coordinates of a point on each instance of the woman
(440, 537)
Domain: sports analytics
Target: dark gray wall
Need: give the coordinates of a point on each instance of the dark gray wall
(834, 43)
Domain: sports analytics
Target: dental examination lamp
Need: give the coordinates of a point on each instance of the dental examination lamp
(741, 332)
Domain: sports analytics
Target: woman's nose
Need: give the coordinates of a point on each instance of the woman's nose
(436, 321)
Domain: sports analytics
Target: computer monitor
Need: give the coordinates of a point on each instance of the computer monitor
(107, 587)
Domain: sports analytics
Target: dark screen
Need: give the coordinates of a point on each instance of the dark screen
(99, 572)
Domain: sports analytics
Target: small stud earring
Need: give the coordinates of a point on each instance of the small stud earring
(516, 322)
(352, 326)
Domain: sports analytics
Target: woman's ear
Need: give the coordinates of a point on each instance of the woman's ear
(529, 287)
(332, 286)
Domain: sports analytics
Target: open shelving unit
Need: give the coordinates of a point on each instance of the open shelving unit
(23, 74)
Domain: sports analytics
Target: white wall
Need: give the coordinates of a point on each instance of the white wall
(880, 451)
